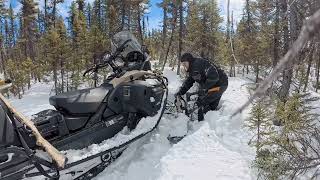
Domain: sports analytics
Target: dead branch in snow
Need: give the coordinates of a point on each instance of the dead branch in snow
(310, 28)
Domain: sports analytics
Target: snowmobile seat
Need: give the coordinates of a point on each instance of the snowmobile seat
(85, 101)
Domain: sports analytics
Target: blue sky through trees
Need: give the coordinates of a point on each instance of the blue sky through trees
(155, 13)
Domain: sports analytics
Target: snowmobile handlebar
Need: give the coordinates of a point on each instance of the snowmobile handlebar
(109, 61)
(94, 69)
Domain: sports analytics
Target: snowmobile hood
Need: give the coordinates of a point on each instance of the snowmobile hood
(129, 76)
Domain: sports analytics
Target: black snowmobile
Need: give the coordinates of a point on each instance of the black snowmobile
(82, 118)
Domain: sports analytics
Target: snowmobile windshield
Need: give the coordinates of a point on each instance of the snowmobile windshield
(121, 37)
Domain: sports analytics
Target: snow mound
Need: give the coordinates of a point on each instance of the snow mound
(202, 156)
(215, 149)
(34, 100)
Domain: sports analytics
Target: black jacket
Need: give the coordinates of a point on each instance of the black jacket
(206, 74)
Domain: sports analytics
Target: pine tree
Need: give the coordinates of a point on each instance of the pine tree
(80, 54)
(248, 39)
(292, 149)
(12, 27)
(29, 28)
(260, 123)
(202, 29)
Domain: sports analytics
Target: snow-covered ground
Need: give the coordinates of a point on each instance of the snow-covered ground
(215, 149)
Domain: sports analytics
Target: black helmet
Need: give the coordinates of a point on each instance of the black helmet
(187, 57)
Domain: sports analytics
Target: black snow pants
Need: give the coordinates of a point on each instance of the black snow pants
(209, 102)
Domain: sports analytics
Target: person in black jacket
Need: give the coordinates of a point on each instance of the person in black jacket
(212, 80)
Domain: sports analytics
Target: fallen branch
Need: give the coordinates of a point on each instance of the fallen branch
(52, 151)
(309, 30)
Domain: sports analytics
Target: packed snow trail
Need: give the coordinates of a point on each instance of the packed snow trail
(216, 149)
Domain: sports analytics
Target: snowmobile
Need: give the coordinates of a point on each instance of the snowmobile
(83, 118)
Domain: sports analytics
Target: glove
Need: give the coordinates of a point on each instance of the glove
(8, 81)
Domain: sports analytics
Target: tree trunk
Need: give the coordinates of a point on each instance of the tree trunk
(55, 77)
(54, 12)
(318, 71)
(288, 72)
(139, 23)
(45, 15)
(62, 75)
(12, 28)
(123, 14)
(257, 71)
(276, 35)
(143, 25)
(228, 21)
(232, 72)
(308, 70)
(174, 23)
(180, 35)
(67, 77)
(164, 31)
(99, 18)
(168, 49)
